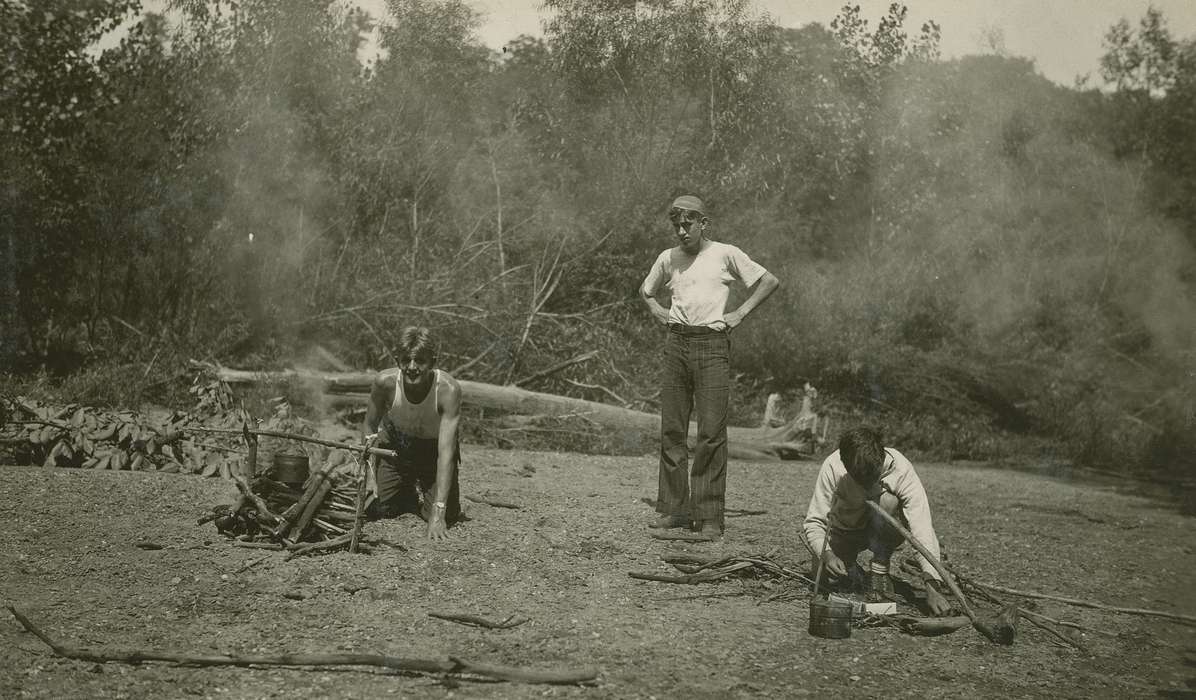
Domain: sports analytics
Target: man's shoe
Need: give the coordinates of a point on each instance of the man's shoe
(711, 530)
(880, 588)
(670, 522)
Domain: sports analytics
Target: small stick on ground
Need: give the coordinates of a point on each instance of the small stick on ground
(729, 594)
(1044, 625)
(739, 513)
(494, 503)
(454, 665)
(475, 621)
(697, 577)
(249, 565)
(258, 545)
(301, 549)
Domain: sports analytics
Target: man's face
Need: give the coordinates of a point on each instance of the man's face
(415, 367)
(869, 484)
(688, 225)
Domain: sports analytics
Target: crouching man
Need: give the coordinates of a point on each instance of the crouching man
(839, 525)
(415, 410)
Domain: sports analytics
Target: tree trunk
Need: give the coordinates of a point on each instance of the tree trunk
(743, 443)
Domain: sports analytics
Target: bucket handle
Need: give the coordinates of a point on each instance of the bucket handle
(826, 538)
(821, 559)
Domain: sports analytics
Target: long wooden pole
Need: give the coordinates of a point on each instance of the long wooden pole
(296, 436)
(452, 665)
(998, 632)
(1086, 604)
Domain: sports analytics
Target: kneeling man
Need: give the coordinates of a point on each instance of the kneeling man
(839, 525)
(415, 410)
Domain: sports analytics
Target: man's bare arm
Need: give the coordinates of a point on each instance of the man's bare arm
(659, 312)
(446, 461)
(382, 395)
(763, 288)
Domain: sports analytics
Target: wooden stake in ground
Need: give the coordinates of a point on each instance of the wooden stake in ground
(250, 469)
(453, 664)
(364, 462)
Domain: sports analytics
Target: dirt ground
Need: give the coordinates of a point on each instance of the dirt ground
(68, 560)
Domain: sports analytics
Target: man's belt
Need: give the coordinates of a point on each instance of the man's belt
(682, 329)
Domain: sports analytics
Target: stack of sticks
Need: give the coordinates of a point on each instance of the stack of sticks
(322, 514)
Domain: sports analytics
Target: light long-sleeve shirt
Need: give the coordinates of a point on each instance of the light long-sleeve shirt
(838, 501)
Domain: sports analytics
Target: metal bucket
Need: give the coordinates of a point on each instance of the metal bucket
(830, 619)
(289, 468)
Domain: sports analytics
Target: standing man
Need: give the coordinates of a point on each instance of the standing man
(696, 372)
(415, 410)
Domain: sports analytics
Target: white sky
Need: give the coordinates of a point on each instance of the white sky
(1062, 36)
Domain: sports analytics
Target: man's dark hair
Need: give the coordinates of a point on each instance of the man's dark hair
(416, 341)
(863, 455)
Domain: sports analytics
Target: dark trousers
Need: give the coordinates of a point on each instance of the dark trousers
(877, 536)
(695, 377)
(407, 483)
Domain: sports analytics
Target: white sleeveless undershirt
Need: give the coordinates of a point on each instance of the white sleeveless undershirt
(418, 420)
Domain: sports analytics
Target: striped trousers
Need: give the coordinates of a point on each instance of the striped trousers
(695, 378)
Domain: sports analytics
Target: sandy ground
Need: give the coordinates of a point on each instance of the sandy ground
(69, 561)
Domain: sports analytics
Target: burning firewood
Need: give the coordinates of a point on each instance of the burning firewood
(314, 518)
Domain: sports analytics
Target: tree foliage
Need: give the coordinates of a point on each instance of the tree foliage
(964, 246)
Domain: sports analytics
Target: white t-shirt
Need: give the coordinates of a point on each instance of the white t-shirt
(700, 284)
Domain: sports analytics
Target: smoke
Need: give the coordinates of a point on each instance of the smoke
(1001, 212)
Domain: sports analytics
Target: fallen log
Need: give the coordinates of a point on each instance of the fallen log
(753, 444)
(454, 665)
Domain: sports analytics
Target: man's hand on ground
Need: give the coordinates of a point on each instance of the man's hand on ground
(936, 601)
(437, 530)
(833, 564)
